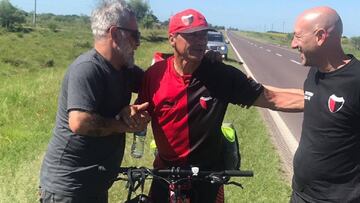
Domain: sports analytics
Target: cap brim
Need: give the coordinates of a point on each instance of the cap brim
(196, 29)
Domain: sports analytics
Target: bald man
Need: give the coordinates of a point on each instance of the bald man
(327, 162)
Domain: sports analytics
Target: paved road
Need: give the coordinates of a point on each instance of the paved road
(277, 66)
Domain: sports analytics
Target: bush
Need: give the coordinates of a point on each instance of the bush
(155, 36)
(53, 27)
(356, 42)
(10, 16)
(48, 64)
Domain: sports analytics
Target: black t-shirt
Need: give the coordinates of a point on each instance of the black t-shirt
(187, 111)
(326, 164)
(71, 163)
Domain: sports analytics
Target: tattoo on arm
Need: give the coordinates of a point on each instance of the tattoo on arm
(98, 126)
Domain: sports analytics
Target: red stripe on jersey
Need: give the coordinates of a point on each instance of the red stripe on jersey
(166, 91)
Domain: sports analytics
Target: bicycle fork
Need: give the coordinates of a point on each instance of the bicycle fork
(176, 195)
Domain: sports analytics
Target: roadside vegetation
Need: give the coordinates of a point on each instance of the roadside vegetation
(32, 64)
(31, 69)
(350, 45)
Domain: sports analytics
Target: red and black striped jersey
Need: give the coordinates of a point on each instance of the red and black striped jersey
(187, 111)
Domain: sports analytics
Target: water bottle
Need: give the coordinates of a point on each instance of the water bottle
(137, 147)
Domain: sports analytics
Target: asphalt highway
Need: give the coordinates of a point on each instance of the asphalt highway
(277, 66)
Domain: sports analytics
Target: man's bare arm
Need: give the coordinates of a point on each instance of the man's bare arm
(92, 124)
(281, 99)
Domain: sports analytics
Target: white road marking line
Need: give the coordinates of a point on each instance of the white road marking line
(278, 54)
(295, 62)
(288, 137)
(261, 47)
(255, 45)
(268, 50)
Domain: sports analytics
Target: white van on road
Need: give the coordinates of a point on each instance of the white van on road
(216, 42)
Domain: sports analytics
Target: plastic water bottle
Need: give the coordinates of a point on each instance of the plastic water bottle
(137, 147)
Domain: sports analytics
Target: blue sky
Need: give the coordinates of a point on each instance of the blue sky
(256, 15)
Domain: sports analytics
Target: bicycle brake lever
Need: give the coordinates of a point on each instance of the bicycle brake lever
(234, 183)
(217, 179)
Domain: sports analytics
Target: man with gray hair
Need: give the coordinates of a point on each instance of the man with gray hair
(327, 161)
(94, 112)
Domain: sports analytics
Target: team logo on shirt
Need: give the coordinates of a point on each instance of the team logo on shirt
(308, 95)
(204, 102)
(335, 103)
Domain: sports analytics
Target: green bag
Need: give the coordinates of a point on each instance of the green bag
(231, 150)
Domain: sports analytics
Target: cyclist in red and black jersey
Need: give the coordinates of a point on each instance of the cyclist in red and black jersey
(188, 98)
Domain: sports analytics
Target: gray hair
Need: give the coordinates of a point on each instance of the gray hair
(109, 13)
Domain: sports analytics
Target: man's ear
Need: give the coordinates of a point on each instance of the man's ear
(321, 36)
(172, 39)
(113, 32)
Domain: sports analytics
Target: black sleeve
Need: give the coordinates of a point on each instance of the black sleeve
(85, 87)
(242, 90)
(229, 83)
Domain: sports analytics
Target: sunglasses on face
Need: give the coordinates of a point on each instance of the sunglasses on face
(134, 33)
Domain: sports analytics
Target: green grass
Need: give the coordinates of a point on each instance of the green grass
(274, 38)
(28, 104)
(28, 100)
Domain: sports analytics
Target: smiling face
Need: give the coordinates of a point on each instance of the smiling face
(190, 46)
(317, 36)
(305, 41)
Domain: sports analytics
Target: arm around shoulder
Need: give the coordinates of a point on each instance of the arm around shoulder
(281, 99)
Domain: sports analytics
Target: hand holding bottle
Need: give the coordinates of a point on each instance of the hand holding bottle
(135, 116)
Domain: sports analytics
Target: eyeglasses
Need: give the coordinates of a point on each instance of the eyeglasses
(134, 33)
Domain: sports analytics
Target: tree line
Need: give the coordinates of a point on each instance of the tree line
(10, 16)
(13, 19)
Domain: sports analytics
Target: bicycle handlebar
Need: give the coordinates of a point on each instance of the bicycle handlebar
(136, 176)
(182, 172)
(194, 171)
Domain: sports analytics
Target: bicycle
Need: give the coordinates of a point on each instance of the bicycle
(174, 177)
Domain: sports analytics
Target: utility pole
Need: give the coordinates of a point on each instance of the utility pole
(34, 16)
(283, 26)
